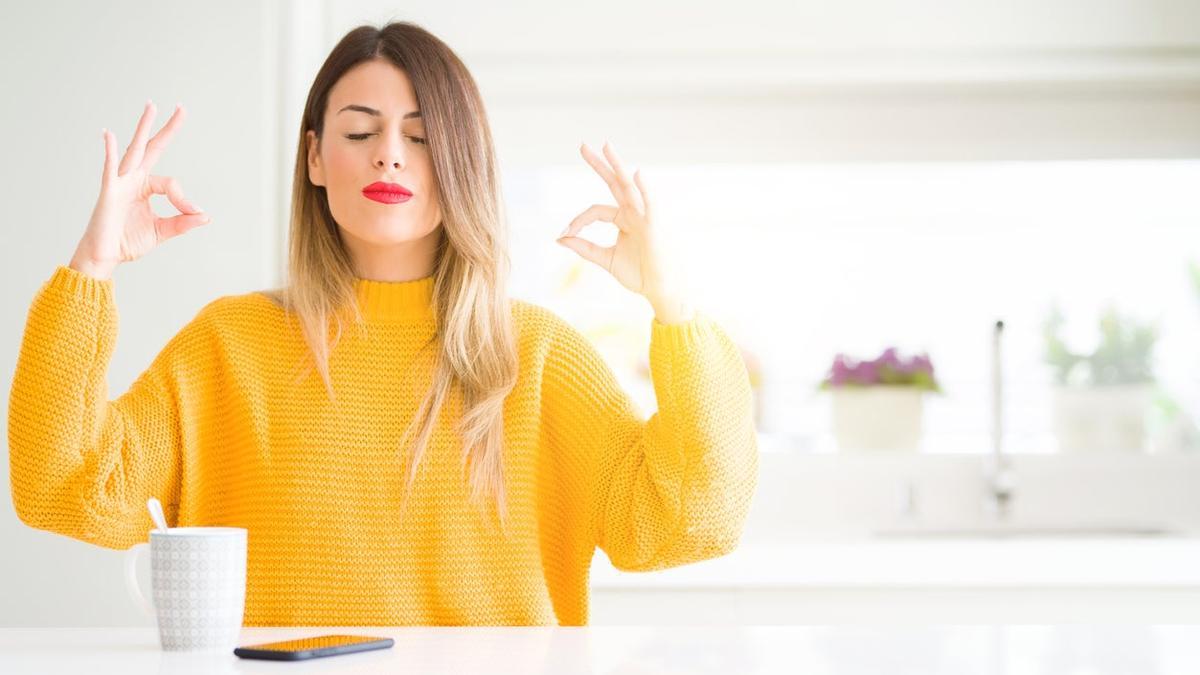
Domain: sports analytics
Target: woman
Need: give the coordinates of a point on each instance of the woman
(358, 461)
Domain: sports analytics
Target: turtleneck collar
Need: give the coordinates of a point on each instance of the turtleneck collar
(394, 300)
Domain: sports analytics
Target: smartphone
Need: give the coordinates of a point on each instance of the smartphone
(313, 647)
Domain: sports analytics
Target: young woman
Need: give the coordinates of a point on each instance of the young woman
(359, 461)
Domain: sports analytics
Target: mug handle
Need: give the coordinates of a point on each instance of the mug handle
(131, 582)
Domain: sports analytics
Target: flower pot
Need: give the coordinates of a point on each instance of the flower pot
(1102, 418)
(877, 417)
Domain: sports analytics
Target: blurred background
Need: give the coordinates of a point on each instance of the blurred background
(958, 243)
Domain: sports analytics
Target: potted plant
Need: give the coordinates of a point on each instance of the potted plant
(1101, 397)
(878, 403)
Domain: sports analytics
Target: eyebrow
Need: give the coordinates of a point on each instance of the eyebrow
(376, 113)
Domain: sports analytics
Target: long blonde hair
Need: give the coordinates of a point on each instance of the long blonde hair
(474, 326)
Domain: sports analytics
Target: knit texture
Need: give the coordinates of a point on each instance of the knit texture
(226, 429)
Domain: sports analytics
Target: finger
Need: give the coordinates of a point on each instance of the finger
(601, 166)
(133, 155)
(591, 214)
(641, 186)
(160, 141)
(623, 178)
(602, 256)
(169, 186)
(177, 225)
(110, 156)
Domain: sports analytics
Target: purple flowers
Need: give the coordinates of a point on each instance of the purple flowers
(888, 368)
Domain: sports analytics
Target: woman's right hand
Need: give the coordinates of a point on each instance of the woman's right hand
(123, 227)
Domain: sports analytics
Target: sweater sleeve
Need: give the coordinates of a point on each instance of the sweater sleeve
(80, 464)
(676, 488)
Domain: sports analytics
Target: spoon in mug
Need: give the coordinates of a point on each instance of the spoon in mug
(156, 513)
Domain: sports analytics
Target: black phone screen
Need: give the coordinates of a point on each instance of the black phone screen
(312, 647)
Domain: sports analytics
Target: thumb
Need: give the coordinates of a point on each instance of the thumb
(177, 225)
(587, 250)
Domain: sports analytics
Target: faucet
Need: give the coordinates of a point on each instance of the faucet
(999, 478)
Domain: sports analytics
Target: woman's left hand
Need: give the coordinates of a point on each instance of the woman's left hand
(636, 260)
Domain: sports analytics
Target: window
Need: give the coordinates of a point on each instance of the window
(801, 261)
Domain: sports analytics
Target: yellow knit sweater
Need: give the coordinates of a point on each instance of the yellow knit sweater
(218, 429)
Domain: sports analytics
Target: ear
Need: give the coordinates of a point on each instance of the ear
(316, 173)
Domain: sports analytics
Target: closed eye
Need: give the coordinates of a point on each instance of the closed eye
(359, 137)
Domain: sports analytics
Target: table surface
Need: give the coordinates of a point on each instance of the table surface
(627, 650)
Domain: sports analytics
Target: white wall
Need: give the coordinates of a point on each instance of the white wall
(763, 81)
(68, 69)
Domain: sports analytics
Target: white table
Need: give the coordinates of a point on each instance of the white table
(596, 650)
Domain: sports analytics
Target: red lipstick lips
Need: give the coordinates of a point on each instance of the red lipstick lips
(387, 193)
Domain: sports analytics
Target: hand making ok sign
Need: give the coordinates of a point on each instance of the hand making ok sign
(637, 259)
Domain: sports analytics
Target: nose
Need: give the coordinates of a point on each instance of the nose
(391, 154)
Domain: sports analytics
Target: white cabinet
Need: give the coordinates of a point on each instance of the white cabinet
(1154, 580)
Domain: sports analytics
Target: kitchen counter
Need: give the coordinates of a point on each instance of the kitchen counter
(1151, 562)
(745, 650)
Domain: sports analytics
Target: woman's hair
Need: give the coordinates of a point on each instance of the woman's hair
(475, 335)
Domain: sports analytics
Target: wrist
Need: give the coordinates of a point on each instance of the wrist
(671, 308)
(91, 268)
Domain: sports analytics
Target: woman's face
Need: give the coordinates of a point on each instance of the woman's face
(374, 133)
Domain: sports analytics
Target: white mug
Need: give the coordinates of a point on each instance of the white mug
(198, 578)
